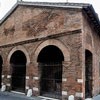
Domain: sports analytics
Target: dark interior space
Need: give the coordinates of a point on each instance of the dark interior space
(1, 62)
(18, 66)
(50, 64)
(50, 54)
(88, 74)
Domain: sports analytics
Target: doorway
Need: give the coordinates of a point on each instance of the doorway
(88, 74)
(1, 62)
(18, 66)
(50, 64)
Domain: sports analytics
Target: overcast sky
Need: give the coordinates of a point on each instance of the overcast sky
(5, 5)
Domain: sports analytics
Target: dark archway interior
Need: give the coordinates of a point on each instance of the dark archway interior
(50, 64)
(88, 74)
(1, 62)
(18, 66)
(50, 54)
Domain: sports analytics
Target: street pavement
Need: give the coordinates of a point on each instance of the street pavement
(94, 98)
(97, 97)
(15, 96)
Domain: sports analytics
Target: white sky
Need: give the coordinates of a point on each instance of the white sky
(5, 5)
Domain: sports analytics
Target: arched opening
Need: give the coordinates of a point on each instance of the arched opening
(88, 74)
(50, 64)
(18, 66)
(1, 62)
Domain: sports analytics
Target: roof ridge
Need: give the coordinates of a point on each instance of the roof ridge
(8, 13)
(44, 4)
(55, 3)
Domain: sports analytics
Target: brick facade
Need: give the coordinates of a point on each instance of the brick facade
(31, 28)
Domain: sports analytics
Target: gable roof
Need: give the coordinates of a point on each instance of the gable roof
(87, 8)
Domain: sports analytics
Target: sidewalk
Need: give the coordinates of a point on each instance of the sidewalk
(97, 97)
(94, 98)
(13, 96)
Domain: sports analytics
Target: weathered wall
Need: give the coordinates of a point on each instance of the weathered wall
(91, 42)
(72, 69)
(31, 23)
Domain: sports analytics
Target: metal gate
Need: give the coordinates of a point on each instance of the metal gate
(51, 79)
(18, 78)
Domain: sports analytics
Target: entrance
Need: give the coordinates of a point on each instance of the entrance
(88, 74)
(18, 66)
(50, 64)
(1, 62)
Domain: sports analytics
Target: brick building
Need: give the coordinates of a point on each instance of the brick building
(51, 48)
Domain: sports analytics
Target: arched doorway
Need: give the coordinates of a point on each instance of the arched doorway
(50, 64)
(88, 74)
(1, 62)
(18, 66)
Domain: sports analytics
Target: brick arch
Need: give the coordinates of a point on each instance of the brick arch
(56, 43)
(89, 48)
(21, 49)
